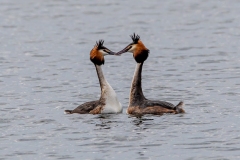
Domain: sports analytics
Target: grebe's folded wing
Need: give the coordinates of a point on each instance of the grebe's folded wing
(84, 108)
(159, 103)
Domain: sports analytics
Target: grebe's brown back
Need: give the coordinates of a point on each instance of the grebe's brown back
(138, 104)
(108, 102)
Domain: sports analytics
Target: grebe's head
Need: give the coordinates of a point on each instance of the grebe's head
(140, 52)
(98, 52)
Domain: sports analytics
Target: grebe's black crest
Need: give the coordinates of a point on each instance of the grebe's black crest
(135, 38)
(99, 44)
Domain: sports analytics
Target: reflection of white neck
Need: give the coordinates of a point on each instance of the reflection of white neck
(108, 95)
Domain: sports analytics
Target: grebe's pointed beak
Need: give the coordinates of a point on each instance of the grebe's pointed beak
(111, 52)
(107, 51)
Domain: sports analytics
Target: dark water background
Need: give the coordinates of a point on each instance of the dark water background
(45, 68)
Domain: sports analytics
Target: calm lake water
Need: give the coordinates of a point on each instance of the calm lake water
(45, 69)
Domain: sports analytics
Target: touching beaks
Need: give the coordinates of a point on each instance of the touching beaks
(126, 49)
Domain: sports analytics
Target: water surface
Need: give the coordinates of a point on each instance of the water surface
(45, 69)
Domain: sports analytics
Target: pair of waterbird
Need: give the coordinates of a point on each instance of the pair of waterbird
(108, 102)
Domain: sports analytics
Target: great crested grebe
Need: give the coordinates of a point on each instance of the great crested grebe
(108, 102)
(138, 104)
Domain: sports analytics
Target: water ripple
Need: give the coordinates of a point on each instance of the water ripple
(45, 69)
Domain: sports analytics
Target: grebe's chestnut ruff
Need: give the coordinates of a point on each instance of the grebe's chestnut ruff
(138, 104)
(108, 102)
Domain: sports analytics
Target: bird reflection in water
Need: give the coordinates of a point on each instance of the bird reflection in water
(105, 121)
(140, 119)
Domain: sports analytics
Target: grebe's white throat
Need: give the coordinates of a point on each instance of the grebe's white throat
(108, 95)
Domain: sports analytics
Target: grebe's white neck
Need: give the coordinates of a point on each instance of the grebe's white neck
(108, 95)
(136, 94)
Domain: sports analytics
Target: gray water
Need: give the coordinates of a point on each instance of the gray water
(45, 69)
